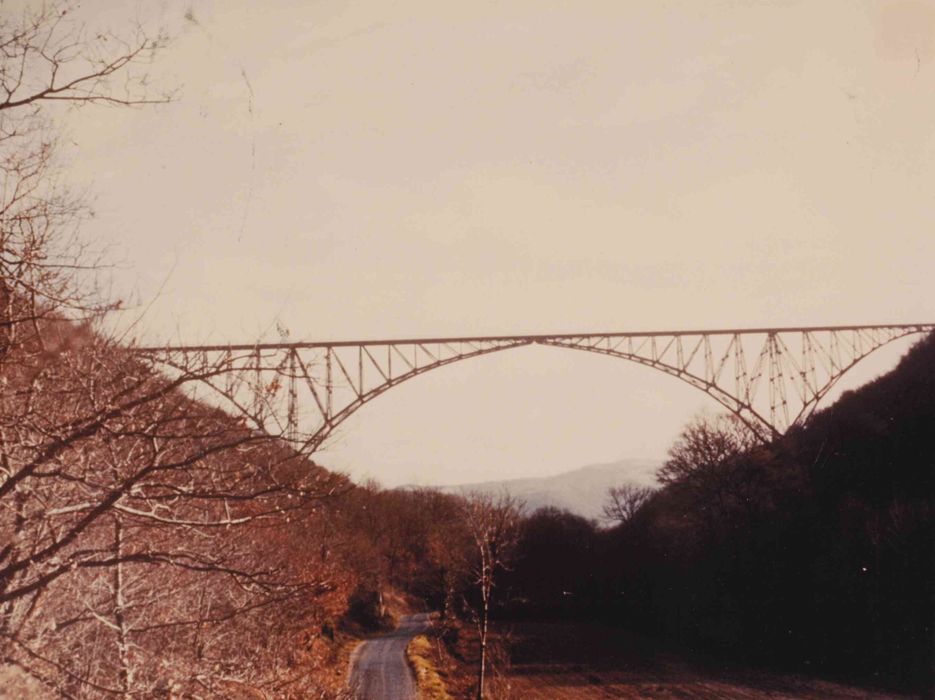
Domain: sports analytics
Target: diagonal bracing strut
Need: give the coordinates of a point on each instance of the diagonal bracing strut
(770, 378)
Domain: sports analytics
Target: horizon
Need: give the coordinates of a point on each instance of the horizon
(564, 472)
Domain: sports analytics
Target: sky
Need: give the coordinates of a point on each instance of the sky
(375, 169)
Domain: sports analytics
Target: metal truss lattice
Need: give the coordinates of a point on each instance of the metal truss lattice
(771, 378)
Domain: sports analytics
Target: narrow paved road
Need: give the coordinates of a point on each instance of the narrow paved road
(379, 670)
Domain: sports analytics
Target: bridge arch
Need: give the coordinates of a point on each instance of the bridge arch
(770, 378)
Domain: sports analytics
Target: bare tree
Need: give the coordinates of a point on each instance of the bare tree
(47, 276)
(625, 501)
(50, 59)
(720, 464)
(705, 443)
(150, 545)
(493, 522)
(162, 489)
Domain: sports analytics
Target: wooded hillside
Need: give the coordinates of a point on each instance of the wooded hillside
(813, 553)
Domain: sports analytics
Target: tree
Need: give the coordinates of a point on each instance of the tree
(493, 522)
(99, 519)
(625, 501)
(47, 275)
(704, 444)
(721, 467)
(150, 545)
(554, 563)
(48, 60)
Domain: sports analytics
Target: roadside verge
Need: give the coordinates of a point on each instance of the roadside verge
(419, 654)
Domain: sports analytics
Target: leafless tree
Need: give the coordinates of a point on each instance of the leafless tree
(50, 60)
(493, 523)
(150, 545)
(161, 490)
(706, 442)
(719, 463)
(625, 501)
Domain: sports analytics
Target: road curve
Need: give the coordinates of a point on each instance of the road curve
(379, 670)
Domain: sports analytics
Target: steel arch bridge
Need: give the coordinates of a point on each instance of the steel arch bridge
(770, 378)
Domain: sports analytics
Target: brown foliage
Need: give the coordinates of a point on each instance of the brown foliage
(150, 545)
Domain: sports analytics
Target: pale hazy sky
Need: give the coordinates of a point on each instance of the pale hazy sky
(400, 169)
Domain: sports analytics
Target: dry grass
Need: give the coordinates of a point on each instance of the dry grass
(456, 660)
(591, 662)
(420, 655)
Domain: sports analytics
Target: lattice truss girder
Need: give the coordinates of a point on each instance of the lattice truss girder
(770, 378)
(302, 392)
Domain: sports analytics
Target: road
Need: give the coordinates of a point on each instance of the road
(379, 670)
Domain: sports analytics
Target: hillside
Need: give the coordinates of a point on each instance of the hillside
(813, 553)
(581, 491)
(135, 513)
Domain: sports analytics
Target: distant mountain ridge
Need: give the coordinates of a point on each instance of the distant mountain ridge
(582, 491)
